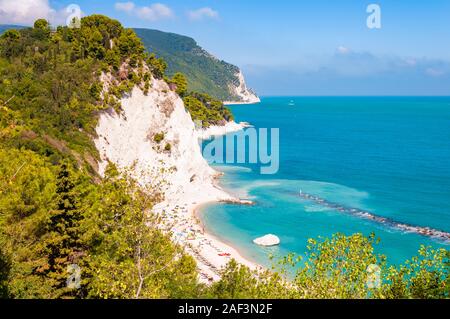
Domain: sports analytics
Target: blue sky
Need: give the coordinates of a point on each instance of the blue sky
(320, 47)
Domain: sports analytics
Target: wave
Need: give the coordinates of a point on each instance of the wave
(232, 169)
(315, 209)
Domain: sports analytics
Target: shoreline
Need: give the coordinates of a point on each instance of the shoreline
(182, 220)
(234, 251)
(214, 131)
(188, 180)
(241, 103)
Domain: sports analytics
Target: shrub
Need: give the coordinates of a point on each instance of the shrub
(159, 137)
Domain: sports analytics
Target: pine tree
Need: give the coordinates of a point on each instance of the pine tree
(64, 244)
(5, 266)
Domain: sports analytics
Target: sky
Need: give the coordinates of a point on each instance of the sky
(293, 47)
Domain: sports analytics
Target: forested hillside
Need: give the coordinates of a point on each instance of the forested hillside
(4, 27)
(55, 210)
(206, 73)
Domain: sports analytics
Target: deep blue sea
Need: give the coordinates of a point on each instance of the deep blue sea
(389, 156)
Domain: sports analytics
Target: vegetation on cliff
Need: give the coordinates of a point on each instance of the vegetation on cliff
(206, 73)
(55, 211)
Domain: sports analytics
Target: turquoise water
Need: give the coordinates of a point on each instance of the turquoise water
(386, 155)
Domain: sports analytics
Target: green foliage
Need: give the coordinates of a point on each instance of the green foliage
(337, 267)
(340, 267)
(54, 210)
(129, 44)
(41, 24)
(51, 80)
(181, 82)
(5, 268)
(62, 241)
(27, 186)
(239, 282)
(168, 147)
(425, 276)
(206, 109)
(157, 66)
(159, 137)
(130, 257)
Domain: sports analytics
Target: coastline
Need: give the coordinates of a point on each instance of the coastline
(242, 103)
(186, 226)
(221, 245)
(188, 180)
(215, 130)
(181, 219)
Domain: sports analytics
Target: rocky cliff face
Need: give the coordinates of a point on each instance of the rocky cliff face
(205, 72)
(155, 140)
(156, 137)
(242, 94)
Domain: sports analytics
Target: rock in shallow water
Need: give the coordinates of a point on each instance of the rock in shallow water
(267, 240)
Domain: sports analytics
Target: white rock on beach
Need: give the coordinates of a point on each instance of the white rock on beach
(267, 240)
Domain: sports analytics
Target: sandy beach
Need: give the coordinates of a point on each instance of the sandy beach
(180, 218)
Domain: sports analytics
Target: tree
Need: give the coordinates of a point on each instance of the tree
(239, 282)
(337, 267)
(41, 29)
(5, 268)
(157, 66)
(129, 44)
(179, 79)
(425, 276)
(63, 240)
(41, 24)
(131, 257)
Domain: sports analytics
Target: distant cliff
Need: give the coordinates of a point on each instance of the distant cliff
(205, 73)
(4, 27)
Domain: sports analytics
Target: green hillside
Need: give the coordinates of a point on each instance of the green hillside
(205, 73)
(66, 232)
(4, 27)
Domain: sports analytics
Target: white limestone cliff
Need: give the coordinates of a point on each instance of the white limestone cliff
(242, 92)
(128, 140)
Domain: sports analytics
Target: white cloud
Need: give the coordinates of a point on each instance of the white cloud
(434, 72)
(124, 6)
(343, 50)
(200, 14)
(153, 12)
(411, 61)
(25, 11)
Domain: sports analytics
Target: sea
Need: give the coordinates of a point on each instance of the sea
(346, 165)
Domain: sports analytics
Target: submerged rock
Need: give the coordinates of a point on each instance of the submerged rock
(267, 240)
